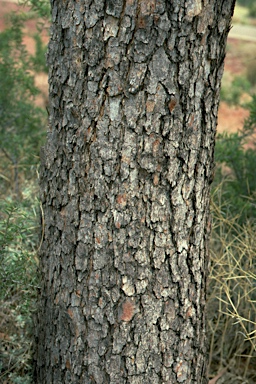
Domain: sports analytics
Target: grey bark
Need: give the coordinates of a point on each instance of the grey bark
(125, 181)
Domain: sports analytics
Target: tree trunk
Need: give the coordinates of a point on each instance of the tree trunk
(125, 180)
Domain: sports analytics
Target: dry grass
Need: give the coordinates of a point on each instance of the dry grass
(232, 301)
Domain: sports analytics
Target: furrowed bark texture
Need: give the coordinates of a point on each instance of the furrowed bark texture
(126, 170)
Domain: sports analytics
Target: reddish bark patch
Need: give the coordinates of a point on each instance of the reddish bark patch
(128, 311)
(172, 104)
(122, 200)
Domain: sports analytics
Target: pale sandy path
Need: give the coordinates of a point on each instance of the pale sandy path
(243, 32)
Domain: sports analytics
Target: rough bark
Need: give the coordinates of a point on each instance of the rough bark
(125, 180)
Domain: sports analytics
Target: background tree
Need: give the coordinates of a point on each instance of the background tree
(125, 179)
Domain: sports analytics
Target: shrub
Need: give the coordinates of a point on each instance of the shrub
(21, 124)
(39, 60)
(232, 289)
(252, 10)
(18, 287)
(237, 185)
(251, 71)
(41, 7)
(232, 92)
(245, 3)
(21, 135)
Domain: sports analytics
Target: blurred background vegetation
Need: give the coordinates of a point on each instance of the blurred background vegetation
(245, 9)
(23, 122)
(22, 131)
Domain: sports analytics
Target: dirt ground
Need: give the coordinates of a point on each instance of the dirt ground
(231, 118)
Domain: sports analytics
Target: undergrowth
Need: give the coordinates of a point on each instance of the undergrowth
(22, 129)
(18, 242)
(232, 282)
(232, 299)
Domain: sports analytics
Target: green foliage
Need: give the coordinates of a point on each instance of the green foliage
(238, 185)
(246, 3)
(235, 174)
(39, 60)
(250, 123)
(251, 71)
(22, 129)
(17, 245)
(252, 10)
(232, 92)
(21, 123)
(41, 7)
(18, 283)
